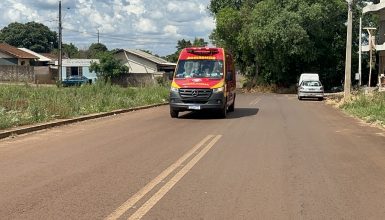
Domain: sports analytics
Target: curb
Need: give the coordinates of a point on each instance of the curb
(29, 129)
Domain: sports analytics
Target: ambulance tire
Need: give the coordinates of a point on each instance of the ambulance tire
(223, 112)
(174, 113)
(232, 106)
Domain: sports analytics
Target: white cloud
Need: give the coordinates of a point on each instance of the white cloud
(146, 24)
(171, 30)
(135, 7)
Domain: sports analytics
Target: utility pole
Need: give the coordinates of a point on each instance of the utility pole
(98, 36)
(348, 61)
(360, 55)
(60, 44)
(372, 45)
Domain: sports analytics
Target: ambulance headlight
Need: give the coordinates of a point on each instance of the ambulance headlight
(220, 89)
(174, 89)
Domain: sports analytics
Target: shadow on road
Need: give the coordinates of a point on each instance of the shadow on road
(243, 112)
(311, 100)
(238, 113)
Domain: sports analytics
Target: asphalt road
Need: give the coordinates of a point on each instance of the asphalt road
(274, 158)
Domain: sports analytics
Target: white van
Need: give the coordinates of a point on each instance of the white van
(308, 76)
(309, 86)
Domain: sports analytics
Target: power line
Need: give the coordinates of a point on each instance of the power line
(126, 39)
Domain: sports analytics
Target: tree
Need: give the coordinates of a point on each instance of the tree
(199, 42)
(34, 36)
(95, 49)
(274, 41)
(216, 5)
(70, 50)
(109, 66)
(181, 44)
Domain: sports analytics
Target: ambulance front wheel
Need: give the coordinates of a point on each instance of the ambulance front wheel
(174, 113)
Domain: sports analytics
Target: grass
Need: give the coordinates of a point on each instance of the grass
(24, 104)
(370, 107)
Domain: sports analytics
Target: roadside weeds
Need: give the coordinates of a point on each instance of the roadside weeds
(367, 108)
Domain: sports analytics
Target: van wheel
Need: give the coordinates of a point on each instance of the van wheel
(174, 113)
(299, 98)
(320, 99)
(232, 106)
(223, 112)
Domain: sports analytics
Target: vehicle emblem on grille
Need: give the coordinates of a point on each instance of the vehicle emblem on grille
(194, 93)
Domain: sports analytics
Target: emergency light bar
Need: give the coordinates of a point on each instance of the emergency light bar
(203, 51)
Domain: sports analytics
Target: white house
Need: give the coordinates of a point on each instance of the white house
(142, 62)
(378, 9)
(41, 60)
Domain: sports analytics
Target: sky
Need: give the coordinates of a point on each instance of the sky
(154, 25)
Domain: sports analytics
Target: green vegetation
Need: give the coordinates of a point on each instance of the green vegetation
(22, 105)
(274, 41)
(109, 66)
(371, 108)
(32, 35)
(181, 44)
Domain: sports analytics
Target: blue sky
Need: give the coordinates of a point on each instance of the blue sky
(154, 25)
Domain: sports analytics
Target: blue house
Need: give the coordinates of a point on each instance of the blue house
(78, 67)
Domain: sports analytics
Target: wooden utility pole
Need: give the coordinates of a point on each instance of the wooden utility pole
(98, 36)
(348, 61)
(60, 45)
(360, 55)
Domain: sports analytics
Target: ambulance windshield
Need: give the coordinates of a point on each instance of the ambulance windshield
(200, 69)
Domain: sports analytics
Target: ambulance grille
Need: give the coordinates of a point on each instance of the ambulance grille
(195, 93)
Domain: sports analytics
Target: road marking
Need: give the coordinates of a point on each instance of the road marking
(142, 192)
(171, 183)
(255, 101)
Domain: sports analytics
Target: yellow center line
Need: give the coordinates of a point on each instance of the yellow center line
(171, 183)
(142, 192)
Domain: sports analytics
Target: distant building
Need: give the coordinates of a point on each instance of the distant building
(10, 55)
(141, 62)
(378, 9)
(78, 67)
(41, 60)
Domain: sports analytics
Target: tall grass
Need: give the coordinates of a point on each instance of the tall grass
(22, 105)
(368, 107)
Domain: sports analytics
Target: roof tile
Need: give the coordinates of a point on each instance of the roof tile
(15, 52)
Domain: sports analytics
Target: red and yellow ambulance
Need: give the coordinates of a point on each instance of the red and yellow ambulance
(204, 79)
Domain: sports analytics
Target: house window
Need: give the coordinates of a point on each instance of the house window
(68, 71)
(74, 71)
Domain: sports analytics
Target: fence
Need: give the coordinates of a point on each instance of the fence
(17, 74)
(134, 79)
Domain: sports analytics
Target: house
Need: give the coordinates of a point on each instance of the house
(142, 62)
(41, 60)
(44, 68)
(378, 9)
(78, 67)
(10, 55)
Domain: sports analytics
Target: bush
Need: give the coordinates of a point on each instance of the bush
(21, 105)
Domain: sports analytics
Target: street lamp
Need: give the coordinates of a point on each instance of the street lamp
(348, 61)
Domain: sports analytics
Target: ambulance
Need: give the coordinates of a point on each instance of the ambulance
(204, 79)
